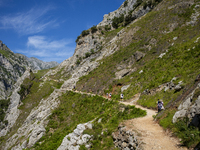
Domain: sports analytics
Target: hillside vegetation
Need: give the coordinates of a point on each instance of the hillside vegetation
(151, 51)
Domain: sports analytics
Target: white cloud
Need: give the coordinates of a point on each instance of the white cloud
(46, 49)
(33, 21)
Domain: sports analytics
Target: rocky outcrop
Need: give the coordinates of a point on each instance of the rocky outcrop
(76, 138)
(166, 86)
(122, 73)
(33, 128)
(125, 9)
(125, 139)
(11, 68)
(13, 111)
(190, 107)
(138, 55)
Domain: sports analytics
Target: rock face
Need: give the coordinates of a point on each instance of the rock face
(126, 139)
(190, 108)
(76, 138)
(124, 9)
(13, 111)
(11, 68)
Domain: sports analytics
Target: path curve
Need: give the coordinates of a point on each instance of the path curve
(152, 134)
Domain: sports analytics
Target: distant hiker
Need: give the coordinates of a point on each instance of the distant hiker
(121, 96)
(110, 95)
(74, 88)
(107, 95)
(160, 105)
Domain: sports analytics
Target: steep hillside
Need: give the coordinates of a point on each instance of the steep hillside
(14, 65)
(147, 50)
(11, 68)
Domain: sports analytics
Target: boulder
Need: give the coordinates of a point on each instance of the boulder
(139, 55)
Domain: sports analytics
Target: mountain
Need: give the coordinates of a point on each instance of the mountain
(14, 65)
(11, 68)
(37, 64)
(147, 50)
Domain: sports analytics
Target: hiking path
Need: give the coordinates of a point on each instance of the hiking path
(153, 136)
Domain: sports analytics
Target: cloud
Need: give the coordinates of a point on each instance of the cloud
(33, 21)
(47, 49)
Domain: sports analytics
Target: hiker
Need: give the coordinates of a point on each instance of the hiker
(110, 95)
(107, 95)
(74, 88)
(160, 105)
(121, 96)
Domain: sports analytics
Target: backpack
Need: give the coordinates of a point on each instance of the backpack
(159, 105)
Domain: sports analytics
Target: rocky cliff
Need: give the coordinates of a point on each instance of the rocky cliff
(11, 68)
(14, 65)
(145, 49)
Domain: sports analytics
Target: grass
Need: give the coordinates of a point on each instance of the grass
(65, 119)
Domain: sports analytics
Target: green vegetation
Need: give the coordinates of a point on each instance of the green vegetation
(181, 60)
(117, 20)
(86, 108)
(125, 3)
(85, 32)
(94, 29)
(190, 135)
(3, 108)
(36, 94)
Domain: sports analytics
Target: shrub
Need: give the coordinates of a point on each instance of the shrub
(88, 54)
(117, 20)
(138, 2)
(3, 108)
(189, 135)
(94, 29)
(78, 62)
(128, 19)
(78, 38)
(107, 27)
(85, 32)
(125, 3)
(92, 51)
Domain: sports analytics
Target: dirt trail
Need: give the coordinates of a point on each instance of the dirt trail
(152, 135)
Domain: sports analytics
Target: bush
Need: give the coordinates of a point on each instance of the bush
(125, 3)
(117, 20)
(107, 27)
(3, 108)
(138, 2)
(78, 38)
(129, 19)
(190, 135)
(85, 32)
(88, 54)
(94, 29)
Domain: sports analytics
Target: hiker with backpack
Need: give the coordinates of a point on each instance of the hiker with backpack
(160, 105)
(121, 96)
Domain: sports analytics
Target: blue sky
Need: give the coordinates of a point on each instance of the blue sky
(47, 29)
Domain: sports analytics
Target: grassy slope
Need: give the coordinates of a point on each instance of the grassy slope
(181, 60)
(65, 119)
